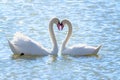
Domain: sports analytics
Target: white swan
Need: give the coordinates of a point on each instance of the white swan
(24, 45)
(76, 50)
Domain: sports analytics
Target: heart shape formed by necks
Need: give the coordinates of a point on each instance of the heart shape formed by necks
(60, 26)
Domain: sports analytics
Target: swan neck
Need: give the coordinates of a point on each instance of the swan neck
(53, 39)
(68, 35)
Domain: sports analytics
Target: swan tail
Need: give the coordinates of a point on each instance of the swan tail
(98, 48)
(11, 47)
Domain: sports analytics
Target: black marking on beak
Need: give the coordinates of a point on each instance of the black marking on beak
(62, 26)
(21, 54)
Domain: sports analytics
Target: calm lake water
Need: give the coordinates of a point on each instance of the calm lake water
(94, 22)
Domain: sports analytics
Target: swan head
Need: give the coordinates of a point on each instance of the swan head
(60, 26)
(57, 22)
(63, 22)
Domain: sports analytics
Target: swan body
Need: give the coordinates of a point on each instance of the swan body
(81, 50)
(24, 45)
(76, 50)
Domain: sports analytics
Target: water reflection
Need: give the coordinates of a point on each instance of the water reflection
(50, 58)
(17, 56)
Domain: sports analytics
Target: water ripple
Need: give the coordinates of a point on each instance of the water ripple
(94, 22)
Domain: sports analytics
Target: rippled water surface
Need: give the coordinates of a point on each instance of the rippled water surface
(94, 22)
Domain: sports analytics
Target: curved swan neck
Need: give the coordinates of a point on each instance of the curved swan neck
(68, 34)
(53, 39)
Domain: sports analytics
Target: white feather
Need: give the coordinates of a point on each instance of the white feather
(26, 45)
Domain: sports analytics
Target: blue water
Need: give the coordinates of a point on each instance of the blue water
(94, 22)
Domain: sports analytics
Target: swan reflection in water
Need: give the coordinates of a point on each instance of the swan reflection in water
(49, 58)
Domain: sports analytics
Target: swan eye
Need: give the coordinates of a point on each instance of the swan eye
(21, 54)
